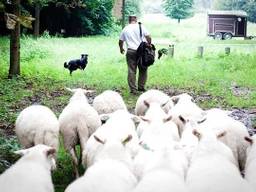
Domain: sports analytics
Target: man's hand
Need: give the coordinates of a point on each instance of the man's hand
(122, 51)
(121, 46)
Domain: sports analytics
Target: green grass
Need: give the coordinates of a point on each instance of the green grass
(43, 77)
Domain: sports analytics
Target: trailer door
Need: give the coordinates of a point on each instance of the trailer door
(241, 26)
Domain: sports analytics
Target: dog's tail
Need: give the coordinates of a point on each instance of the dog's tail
(65, 65)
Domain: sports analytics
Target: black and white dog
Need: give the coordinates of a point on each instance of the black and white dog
(75, 64)
(161, 52)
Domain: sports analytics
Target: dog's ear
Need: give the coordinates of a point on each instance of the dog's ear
(84, 55)
(70, 90)
(88, 91)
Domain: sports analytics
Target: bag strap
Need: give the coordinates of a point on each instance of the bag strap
(140, 32)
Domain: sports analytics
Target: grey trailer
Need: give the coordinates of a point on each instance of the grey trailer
(227, 24)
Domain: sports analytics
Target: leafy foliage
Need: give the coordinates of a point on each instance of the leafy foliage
(24, 19)
(7, 147)
(132, 7)
(229, 4)
(178, 9)
(245, 5)
(92, 17)
(250, 8)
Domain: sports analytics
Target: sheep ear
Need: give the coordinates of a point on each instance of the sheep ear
(127, 139)
(146, 103)
(182, 119)
(248, 139)
(197, 134)
(222, 134)
(145, 119)
(175, 99)
(98, 140)
(167, 119)
(50, 151)
(162, 105)
(136, 119)
(201, 120)
(104, 118)
(22, 152)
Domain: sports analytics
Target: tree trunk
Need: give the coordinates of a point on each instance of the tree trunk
(123, 13)
(37, 21)
(179, 20)
(14, 69)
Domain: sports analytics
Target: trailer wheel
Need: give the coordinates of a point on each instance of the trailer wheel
(227, 36)
(218, 36)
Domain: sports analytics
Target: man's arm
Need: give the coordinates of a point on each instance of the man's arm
(121, 46)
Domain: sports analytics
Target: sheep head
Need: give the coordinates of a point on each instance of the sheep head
(42, 153)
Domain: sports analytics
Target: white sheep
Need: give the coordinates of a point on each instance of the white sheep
(157, 122)
(236, 131)
(79, 94)
(250, 166)
(37, 124)
(118, 126)
(111, 172)
(152, 96)
(30, 173)
(78, 121)
(108, 102)
(188, 141)
(140, 160)
(184, 107)
(163, 171)
(212, 166)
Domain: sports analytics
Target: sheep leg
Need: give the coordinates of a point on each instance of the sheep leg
(75, 161)
(83, 137)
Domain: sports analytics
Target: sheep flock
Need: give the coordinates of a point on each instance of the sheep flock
(169, 144)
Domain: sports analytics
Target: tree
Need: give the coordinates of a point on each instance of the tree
(123, 13)
(95, 18)
(178, 9)
(248, 6)
(14, 69)
(13, 21)
(132, 7)
(229, 4)
(38, 4)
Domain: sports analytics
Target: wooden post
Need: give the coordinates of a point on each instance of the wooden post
(171, 50)
(200, 51)
(227, 50)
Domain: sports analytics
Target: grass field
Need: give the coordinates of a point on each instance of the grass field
(43, 76)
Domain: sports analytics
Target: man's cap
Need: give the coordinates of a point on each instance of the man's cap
(133, 15)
